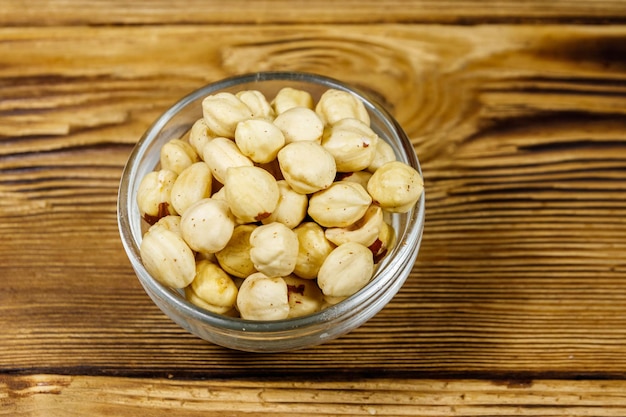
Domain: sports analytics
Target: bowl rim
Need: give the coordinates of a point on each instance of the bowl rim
(408, 253)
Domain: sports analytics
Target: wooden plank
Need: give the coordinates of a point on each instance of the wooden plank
(57, 395)
(72, 12)
(521, 132)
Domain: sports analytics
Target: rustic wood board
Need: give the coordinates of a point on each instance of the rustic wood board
(519, 291)
(59, 396)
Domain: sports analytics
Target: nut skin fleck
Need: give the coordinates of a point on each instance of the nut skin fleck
(295, 289)
(163, 211)
(262, 216)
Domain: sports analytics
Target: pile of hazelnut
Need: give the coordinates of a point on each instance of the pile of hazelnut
(268, 210)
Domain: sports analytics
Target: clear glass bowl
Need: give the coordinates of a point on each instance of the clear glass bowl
(282, 335)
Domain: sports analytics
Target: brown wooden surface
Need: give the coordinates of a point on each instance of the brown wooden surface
(517, 303)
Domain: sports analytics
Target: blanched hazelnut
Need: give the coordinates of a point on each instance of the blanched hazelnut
(291, 207)
(289, 97)
(167, 257)
(300, 124)
(335, 105)
(352, 143)
(207, 225)
(200, 135)
(222, 112)
(364, 231)
(274, 249)
(177, 155)
(313, 248)
(263, 298)
(346, 270)
(235, 257)
(259, 140)
(384, 153)
(251, 192)
(304, 296)
(384, 243)
(154, 195)
(221, 154)
(213, 287)
(340, 205)
(171, 223)
(257, 103)
(307, 166)
(396, 187)
(193, 184)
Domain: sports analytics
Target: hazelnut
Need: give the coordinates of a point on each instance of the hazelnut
(167, 257)
(352, 143)
(262, 297)
(274, 249)
(307, 166)
(396, 187)
(251, 192)
(222, 112)
(340, 205)
(207, 225)
(347, 269)
(213, 287)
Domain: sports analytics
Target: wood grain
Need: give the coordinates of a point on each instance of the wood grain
(521, 131)
(57, 395)
(116, 12)
(522, 265)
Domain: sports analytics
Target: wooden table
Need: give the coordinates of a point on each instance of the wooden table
(517, 303)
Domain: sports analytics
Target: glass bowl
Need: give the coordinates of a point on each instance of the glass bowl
(281, 335)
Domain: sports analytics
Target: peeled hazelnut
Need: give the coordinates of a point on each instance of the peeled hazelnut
(167, 257)
(177, 155)
(263, 298)
(335, 105)
(274, 249)
(291, 207)
(340, 205)
(257, 103)
(364, 231)
(251, 192)
(307, 166)
(171, 223)
(352, 143)
(222, 112)
(384, 153)
(207, 225)
(214, 287)
(199, 135)
(154, 195)
(300, 124)
(259, 140)
(384, 243)
(221, 154)
(396, 187)
(346, 270)
(288, 98)
(235, 257)
(193, 184)
(304, 296)
(313, 248)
